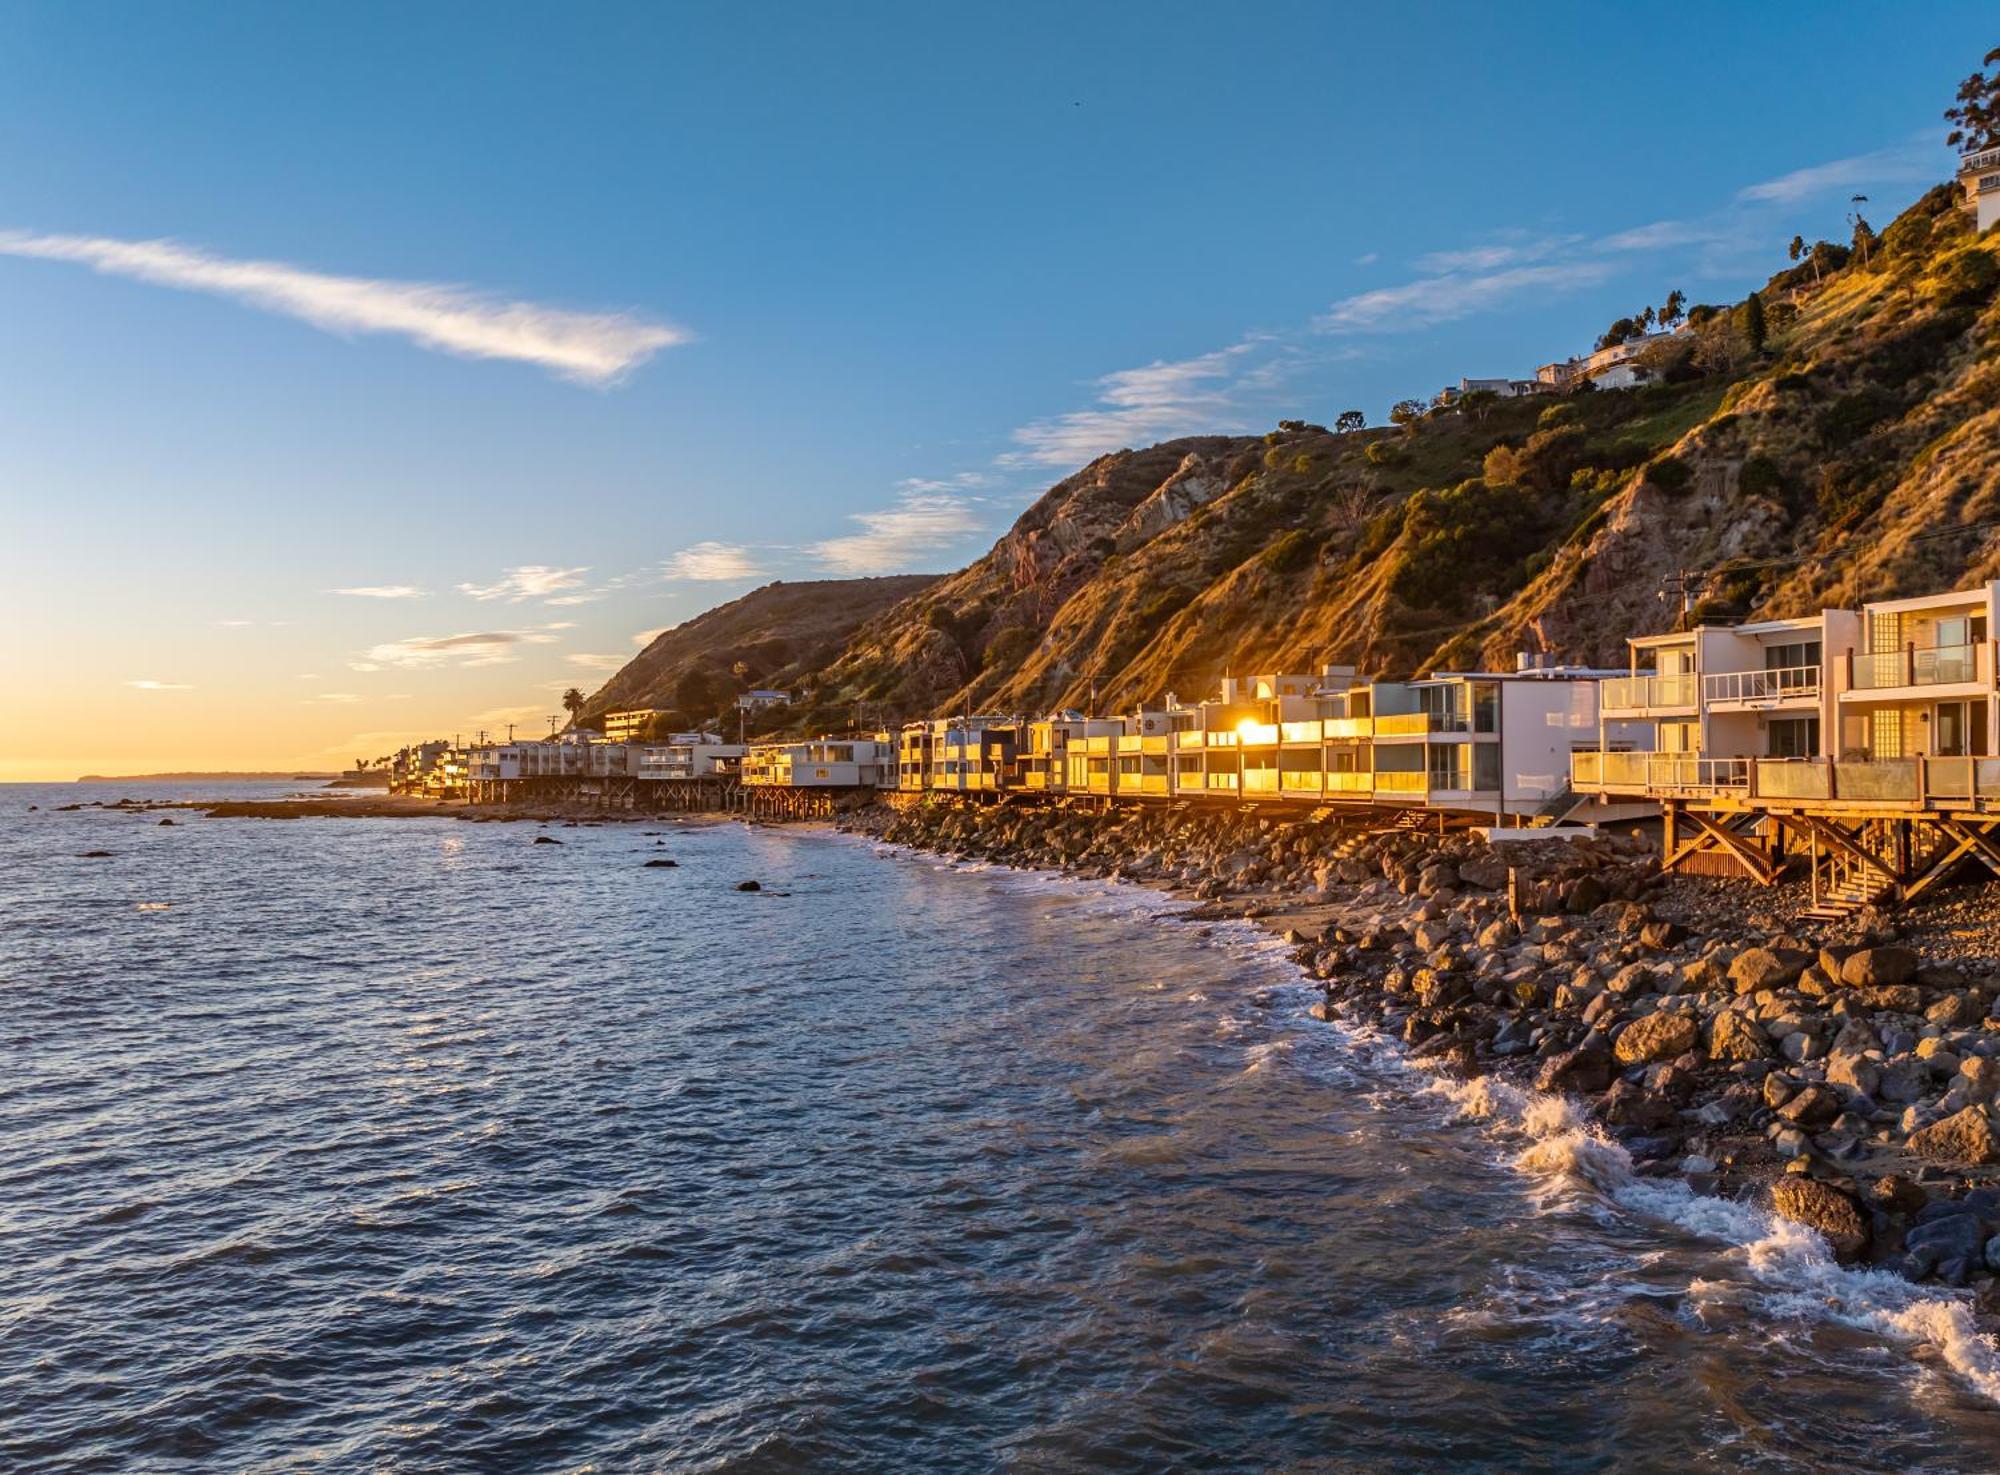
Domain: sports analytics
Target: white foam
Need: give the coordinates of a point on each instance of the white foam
(1789, 1270)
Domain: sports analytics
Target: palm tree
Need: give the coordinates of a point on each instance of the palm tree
(572, 701)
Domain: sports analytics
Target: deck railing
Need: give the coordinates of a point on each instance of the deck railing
(1932, 665)
(1917, 782)
(1761, 686)
(1640, 693)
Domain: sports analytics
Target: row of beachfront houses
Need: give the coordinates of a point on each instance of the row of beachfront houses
(1895, 702)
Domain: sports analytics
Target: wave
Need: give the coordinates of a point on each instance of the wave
(1790, 1272)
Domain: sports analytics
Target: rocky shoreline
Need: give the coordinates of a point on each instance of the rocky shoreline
(1846, 1076)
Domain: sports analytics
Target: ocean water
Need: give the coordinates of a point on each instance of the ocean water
(413, 1145)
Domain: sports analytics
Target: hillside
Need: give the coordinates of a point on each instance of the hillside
(778, 633)
(1847, 460)
(1839, 441)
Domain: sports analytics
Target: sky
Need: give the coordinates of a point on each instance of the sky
(375, 372)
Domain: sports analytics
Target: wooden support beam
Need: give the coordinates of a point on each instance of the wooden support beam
(1714, 834)
(1839, 841)
(1967, 839)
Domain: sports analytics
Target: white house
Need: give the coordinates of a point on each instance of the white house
(1979, 173)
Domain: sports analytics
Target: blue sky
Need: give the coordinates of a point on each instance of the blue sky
(655, 302)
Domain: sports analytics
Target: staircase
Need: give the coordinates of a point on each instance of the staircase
(1860, 889)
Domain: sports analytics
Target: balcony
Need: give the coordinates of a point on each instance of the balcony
(1984, 159)
(1648, 693)
(1416, 782)
(1300, 732)
(1350, 783)
(1349, 727)
(1658, 773)
(1924, 666)
(1752, 689)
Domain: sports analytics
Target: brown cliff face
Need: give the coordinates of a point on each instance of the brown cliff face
(1856, 457)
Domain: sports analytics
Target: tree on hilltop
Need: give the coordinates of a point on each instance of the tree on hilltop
(572, 701)
(1975, 118)
(1406, 412)
(1350, 421)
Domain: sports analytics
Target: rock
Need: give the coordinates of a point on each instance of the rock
(1896, 1194)
(1657, 1037)
(1992, 1256)
(1758, 968)
(167, 822)
(1811, 1108)
(1585, 894)
(1736, 1036)
(1878, 967)
(1825, 1208)
(1662, 935)
(1963, 1137)
(1948, 1247)
(1901, 998)
(94, 855)
(661, 864)
(1855, 1072)
(1585, 1069)
(749, 885)
(1952, 1010)
(1630, 1105)
(1701, 976)
(547, 840)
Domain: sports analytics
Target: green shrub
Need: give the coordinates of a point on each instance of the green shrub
(1966, 279)
(1668, 474)
(1760, 477)
(1290, 553)
(1852, 416)
(1458, 540)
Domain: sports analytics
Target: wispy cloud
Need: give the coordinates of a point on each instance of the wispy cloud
(1136, 406)
(529, 581)
(1516, 250)
(596, 348)
(426, 652)
(712, 562)
(894, 539)
(643, 638)
(596, 660)
(147, 684)
(339, 697)
(381, 591)
(1428, 301)
(1912, 162)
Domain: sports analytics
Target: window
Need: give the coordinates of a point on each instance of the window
(1787, 657)
(1794, 737)
(1885, 737)
(1885, 633)
(1486, 706)
(1486, 766)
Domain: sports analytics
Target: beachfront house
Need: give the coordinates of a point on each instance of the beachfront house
(1921, 682)
(821, 763)
(1979, 176)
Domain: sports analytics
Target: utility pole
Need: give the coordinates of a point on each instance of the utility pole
(1683, 585)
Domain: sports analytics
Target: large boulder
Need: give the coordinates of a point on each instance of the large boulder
(1854, 1071)
(1629, 1105)
(1587, 1068)
(1878, 967)
(1823, 1207)
(1897, 998)
(1759, 968)
(1811, 1108)
(1656, 1037)
(1950, 1247)
(1964, 1137)
(1736, 1036)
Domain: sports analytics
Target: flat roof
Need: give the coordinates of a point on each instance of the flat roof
(1927, 601)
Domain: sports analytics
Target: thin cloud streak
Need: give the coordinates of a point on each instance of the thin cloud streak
(583, 347)
(920, 523)
(1429, 301)
(381, 591)
(712, 563)
(427, 652)
(146, 684)
(529, 581)
(1906, 163)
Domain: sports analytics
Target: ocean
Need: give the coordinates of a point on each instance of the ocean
(415, 1145)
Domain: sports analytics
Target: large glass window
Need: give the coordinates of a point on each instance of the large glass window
(1794, 737)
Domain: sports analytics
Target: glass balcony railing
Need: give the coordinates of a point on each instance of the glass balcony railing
(1639, 693)
(1782, 684)
(1936, 665)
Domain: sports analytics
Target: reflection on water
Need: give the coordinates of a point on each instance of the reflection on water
(410, 1144)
